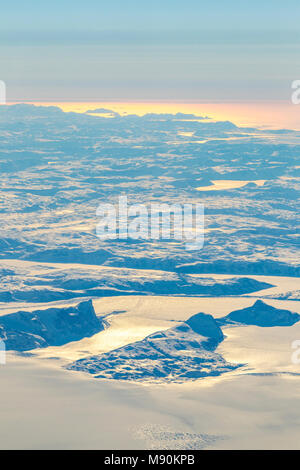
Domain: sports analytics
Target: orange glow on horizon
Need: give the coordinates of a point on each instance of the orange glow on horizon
(259, 114)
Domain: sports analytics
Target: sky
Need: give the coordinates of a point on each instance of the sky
(217, 51)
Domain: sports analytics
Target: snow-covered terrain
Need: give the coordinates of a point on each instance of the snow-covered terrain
(185, 352)
(23, 331)
(192, 348)
(58, 167)
(261, 314)
(44, 282)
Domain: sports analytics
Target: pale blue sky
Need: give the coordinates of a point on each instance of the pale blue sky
(127, 50)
